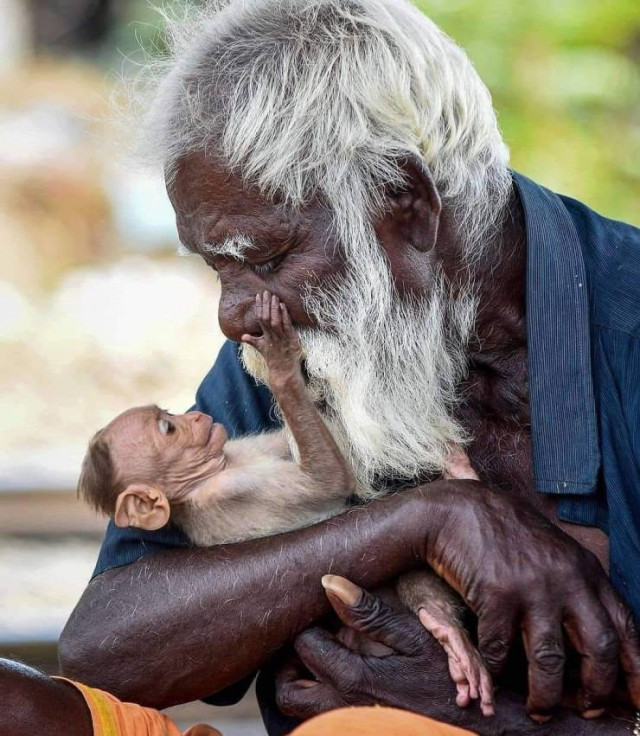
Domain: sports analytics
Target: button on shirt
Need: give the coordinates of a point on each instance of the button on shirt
(583, 332)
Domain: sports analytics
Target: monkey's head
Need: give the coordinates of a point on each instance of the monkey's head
(147, 459)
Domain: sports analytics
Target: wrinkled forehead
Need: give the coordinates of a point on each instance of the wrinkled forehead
(213, 203)
(131, 430)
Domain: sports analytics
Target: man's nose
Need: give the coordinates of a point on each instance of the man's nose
(237, 314)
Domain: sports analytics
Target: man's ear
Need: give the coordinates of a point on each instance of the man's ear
(413, 210)
(142, 506)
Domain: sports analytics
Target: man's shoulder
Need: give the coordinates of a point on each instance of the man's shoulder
(611, 251)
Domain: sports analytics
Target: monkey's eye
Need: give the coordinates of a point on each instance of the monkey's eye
(166, 427)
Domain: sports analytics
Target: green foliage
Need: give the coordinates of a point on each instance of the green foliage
(565, 79)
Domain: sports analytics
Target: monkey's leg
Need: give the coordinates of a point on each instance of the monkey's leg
(440, 611)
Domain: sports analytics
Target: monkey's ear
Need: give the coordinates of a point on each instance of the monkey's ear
(142, 506)
(414, 208)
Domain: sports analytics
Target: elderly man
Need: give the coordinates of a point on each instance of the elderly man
(345, 155)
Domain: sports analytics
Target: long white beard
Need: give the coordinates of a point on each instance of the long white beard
(384, 371)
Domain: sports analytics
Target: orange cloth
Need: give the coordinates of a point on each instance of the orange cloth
(112, 717)
(375, 721)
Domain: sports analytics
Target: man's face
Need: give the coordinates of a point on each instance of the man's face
(382, 336)
(292, 252)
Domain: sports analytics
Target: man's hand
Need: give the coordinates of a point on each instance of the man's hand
(518, 572)
(279, 343)
(413, 677)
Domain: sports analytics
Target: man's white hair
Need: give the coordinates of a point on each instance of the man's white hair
(327, 98)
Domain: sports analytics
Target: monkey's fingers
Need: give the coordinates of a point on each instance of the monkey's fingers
(265, 309)
(255, 342)
(259, 310)
(487, 701)
(458, 466)
(466, 667)
(463, 698)
(474, 669)
(288, 328)
(276, 316)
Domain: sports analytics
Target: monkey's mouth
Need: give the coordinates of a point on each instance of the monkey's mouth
(215, 428)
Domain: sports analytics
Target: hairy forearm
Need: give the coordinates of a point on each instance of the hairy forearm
(180, 625)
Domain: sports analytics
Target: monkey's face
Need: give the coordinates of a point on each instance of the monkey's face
(172, 452)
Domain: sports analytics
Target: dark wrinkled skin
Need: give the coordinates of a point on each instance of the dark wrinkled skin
(179, 625)
(347, 678)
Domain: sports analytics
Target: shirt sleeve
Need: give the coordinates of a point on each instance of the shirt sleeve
(230, 396)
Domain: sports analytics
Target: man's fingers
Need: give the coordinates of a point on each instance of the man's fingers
(304, 699)
(366, 613)
(593, 636)
(629, 641)
(327, 659)
(543, 643)
(495, 637)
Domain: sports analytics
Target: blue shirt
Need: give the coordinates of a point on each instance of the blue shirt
(583, 331)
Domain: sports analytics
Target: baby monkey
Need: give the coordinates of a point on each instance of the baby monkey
(148, 466)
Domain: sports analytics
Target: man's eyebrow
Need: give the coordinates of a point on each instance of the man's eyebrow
(234, 246)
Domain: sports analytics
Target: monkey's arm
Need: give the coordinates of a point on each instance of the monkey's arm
(320, 457)
(182, 624)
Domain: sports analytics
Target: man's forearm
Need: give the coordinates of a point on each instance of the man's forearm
(180, 625)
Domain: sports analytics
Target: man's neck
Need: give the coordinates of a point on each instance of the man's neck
(497, 278)
(500, 281)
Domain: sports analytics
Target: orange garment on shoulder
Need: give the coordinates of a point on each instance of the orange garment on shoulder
(112, 717)
(375, 721)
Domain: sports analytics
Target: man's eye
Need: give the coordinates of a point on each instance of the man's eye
(166, 427)
(266, 267)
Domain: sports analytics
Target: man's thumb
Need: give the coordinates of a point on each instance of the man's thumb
(344, 590)
(367, 614)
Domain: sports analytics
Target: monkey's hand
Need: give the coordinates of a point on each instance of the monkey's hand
(440, 610)
(458, 466)
(279, 343)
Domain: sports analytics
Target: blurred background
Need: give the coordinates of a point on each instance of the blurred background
(96, 312)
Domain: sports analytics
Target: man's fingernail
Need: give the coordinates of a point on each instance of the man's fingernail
(342, 588)
(540, 718)
(592, 713)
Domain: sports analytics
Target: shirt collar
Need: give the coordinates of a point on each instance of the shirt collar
(566, 455)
